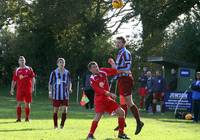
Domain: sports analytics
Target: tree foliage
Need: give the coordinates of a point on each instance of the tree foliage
(77, 30)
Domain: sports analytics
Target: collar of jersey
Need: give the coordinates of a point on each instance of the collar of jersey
(122, 49)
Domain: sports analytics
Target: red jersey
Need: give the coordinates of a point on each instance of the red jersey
(99, 83)
(23, 77)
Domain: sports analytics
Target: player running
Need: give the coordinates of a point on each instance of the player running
(104, 99)
(59, 88)
(24, 78)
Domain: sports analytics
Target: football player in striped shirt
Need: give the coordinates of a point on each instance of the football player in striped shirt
(59, 88)
(125, 81)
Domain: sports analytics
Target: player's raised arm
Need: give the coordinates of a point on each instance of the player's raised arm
(112, 63)
(110, 71)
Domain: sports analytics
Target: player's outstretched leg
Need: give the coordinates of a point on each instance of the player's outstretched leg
(125, 108)
(135, 112)
(94, 126)
(121, 123)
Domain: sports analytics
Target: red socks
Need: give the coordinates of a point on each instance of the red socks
(55, 120)
(93, 127)
(135, 112)
(125, 108)
(121, 124)
(27, 112)
(19, 112)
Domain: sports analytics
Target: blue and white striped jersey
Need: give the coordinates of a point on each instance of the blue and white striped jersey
(60, 82)
(124, 60)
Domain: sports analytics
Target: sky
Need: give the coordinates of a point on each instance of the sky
(132, 29)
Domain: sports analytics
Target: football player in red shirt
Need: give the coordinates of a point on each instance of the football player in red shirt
(24, 78)
(104, 100)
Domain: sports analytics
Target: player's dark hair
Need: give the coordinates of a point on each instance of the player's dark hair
(91, 63)
(22, 57)
(60, 59)
(122, 39)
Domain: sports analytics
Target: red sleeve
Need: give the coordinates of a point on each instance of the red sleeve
(95, 85)
(109, 71)
(14, 78)
(32, 74)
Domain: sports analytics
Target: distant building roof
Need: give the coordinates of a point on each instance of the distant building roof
(170, 62)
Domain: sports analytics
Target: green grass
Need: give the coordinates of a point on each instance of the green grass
(78, 123)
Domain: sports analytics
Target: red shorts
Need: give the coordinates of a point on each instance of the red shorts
(108, 106)
(58, 103)
(158, 96)
(125, 85)
(142, 91)
(24, 97)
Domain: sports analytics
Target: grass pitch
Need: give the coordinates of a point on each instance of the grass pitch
(78, 122)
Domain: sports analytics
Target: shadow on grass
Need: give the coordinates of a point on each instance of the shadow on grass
(176, 121)
(112, 139)
(106, 139)
(8, 122)
(25, 129)
(167, 115)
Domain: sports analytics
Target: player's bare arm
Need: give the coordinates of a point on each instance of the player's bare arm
(50, 91)
(13, 83)
(33, 84)
(113, 65)
(114, 96)
(70, 87)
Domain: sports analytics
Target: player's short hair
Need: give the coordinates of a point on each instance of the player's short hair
(22, 57)
(91, 63)
(60, 59)
(122, 39)
(198, 73)
(148, 71)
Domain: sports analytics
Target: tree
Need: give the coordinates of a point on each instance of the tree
(184, 43)
(156, 15)
(46, 30)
